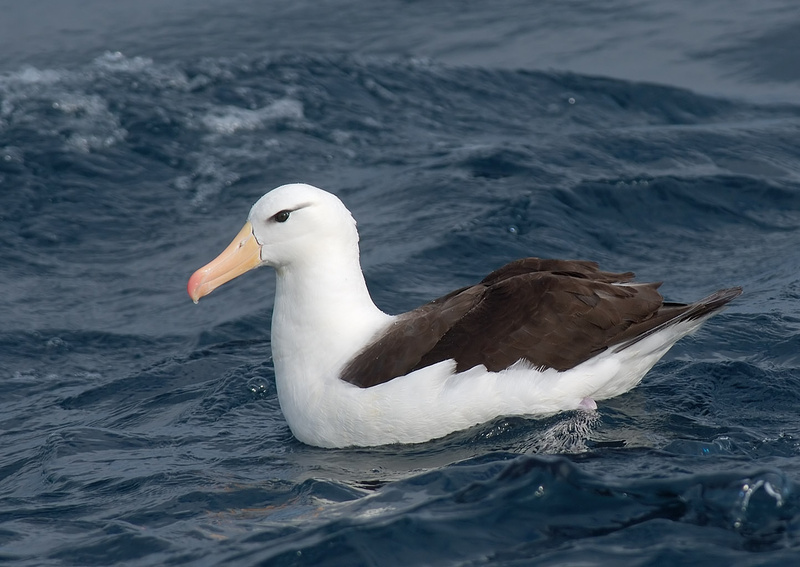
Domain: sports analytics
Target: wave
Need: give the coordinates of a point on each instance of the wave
(151, 427)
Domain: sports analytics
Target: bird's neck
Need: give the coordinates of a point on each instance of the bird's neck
(323, 315)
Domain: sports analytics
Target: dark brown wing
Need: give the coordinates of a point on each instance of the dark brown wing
(401, 347)
(550, 320)
(551, 313)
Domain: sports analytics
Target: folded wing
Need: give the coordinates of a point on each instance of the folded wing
(550, 313)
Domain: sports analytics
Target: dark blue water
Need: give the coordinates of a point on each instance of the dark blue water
(138, 428)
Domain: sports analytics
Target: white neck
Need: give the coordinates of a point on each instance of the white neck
(323, 315)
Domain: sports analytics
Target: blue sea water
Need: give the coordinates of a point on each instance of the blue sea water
(137, 428)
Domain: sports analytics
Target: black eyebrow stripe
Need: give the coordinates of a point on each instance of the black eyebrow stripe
(302, 206)
(290, 211)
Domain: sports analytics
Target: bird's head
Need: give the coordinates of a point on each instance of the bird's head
(291, 224)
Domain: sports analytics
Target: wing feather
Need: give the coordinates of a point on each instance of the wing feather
(550, 313)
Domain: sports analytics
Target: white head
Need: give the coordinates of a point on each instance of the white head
(293, 224)
(298, 221)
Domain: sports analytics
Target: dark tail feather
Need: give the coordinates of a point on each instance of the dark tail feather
(679, 312)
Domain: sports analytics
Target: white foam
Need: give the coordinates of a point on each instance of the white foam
(95, 126)
(144, 69)
(83, 121)
(32, 75)
(116, 61)
(230, 119)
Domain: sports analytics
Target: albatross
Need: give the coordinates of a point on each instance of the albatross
(533, 338)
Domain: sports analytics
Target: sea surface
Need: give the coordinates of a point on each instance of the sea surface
(138, 428)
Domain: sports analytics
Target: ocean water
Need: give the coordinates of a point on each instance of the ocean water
(137, 428)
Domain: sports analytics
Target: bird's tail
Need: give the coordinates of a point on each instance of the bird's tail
(675, 313)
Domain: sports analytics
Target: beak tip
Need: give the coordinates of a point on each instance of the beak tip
(193, 286)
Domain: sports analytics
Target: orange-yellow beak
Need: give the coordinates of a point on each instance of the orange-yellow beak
(241, 255)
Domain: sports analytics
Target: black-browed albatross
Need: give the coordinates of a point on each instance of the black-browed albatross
(533, 338)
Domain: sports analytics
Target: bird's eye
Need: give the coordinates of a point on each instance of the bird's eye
(282, 216)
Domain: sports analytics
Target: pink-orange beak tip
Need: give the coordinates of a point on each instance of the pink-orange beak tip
(192, 287)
